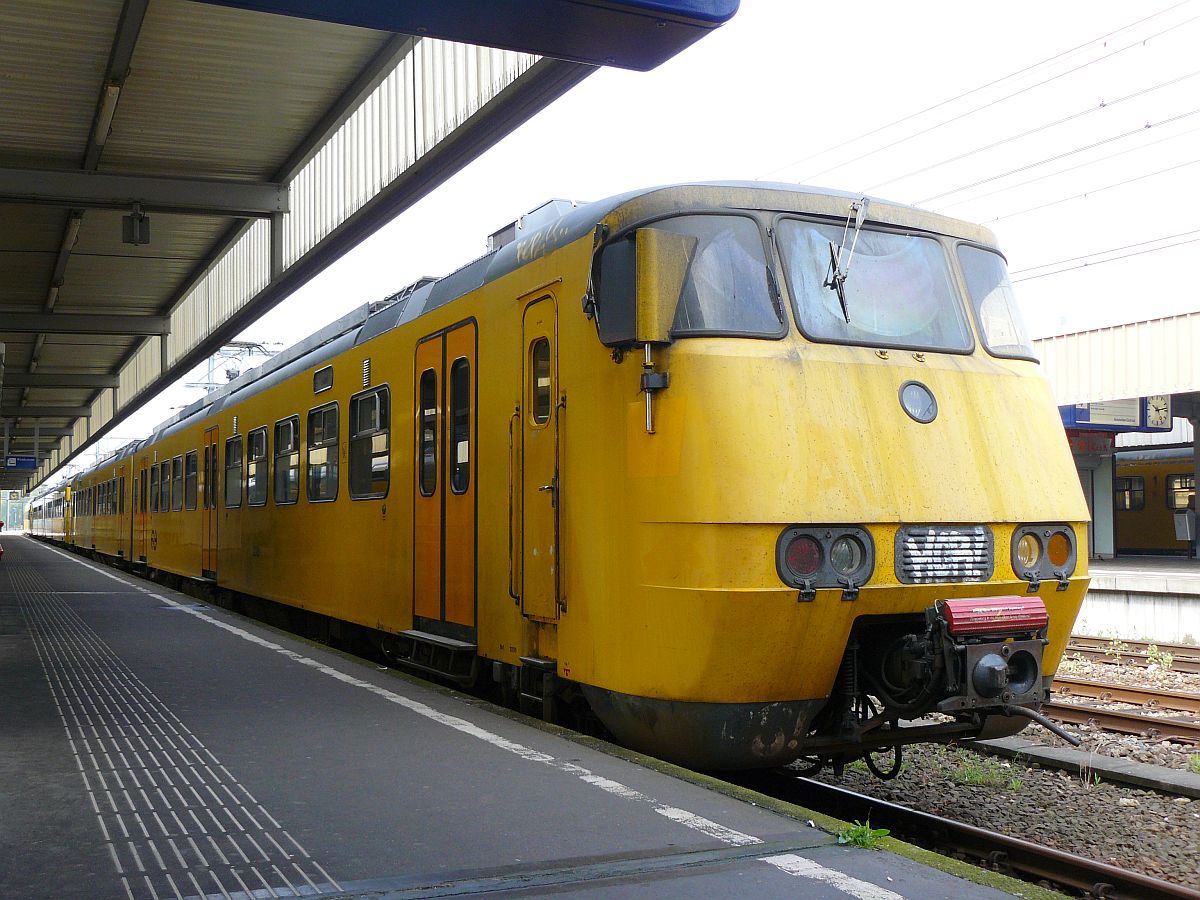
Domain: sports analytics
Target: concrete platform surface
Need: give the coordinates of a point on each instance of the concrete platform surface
(152, 746)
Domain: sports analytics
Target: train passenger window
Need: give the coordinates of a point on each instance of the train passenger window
(191, 472)
(1181, 491)
(542, 389)
(256, 467)
(1129, 492)
(460, 425)
(323, 453)
(370, 426)
(898, 292)
(164, 486)
(154, 489)
(287, 460)
(233, 472)
(428, 418)
(177, 483)
(996, 310)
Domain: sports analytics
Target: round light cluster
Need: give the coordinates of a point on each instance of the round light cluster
(1043, 552)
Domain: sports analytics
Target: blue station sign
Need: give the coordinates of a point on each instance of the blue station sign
(20, 462)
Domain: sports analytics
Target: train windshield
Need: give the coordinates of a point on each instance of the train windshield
(994, 303)
(898, 289)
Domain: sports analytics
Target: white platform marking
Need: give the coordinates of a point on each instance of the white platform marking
(790, 863)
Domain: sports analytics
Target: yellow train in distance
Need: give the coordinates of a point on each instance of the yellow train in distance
(1149, 488)
(750, 472)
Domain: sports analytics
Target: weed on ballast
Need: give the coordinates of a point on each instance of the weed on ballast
(861, 834)
(1194, 763)
(983, 771)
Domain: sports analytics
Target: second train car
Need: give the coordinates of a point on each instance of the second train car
(754, 472)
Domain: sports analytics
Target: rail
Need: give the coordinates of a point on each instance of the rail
(1108, 692)
(1184, 657)
(1007, 854)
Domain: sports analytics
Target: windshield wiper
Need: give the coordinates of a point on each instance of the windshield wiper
(836, 276)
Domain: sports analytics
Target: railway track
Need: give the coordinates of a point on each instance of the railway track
(1013, 856)
(1185, 657)
(1126, 693)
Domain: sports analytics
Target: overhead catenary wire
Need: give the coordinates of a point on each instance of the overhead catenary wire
(1084, 265)
(1098, 190)
(1058, 172)
(1049, 159)
(1104, 104)
(1138, 43)
(1050, 59)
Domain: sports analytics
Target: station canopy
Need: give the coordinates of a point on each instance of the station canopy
(171, 169)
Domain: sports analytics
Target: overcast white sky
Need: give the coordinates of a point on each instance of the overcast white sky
(784, 92)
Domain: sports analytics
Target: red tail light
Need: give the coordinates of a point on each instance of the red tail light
(987, 615)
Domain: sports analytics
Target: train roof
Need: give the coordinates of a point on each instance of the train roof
(533, 237)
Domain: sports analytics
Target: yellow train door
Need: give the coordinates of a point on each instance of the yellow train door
(444, 533)
(208, 505)
(540, 488)
(141, 509)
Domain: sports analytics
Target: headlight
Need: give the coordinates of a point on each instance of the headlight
(1029, 551)
(1044, 553)
(846, 555)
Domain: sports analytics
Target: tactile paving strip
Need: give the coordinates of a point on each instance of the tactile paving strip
(176, 822)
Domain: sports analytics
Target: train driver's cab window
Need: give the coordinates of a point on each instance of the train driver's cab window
(370, 418)
(323, 453)
(233, 472)
(898, 290)
(190, 479)
(177, 483)
(256, 467)
(1130, 492)
(995, 306)
(723, 283)
(287, 460)
(1181, 491)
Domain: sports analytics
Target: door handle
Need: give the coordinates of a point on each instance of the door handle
(547, 487)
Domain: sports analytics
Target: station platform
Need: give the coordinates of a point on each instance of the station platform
(153, 746)
(1154, 598)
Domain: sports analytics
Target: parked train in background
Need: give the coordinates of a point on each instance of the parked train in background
(726, 466)
(1150, 487)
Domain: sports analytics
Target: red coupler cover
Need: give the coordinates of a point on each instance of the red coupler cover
(987, 614)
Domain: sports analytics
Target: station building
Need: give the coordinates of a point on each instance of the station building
(1128, 392)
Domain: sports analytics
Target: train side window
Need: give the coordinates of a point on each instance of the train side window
(121, 497)
(154, 489)
(323, 453)
(143, 491)
(542, 391)
(1129, 492)
(164, 486)
(1181, 489)
(460, 425)
(177, 483)
(428, 417)
(370, 427)
(190, 476)
(287, 460)
(256, 467)
(233, 472)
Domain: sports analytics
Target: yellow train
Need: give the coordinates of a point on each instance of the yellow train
(752, 472)
(1150, 487)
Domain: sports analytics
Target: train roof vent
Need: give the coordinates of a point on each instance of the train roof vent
(401, 296)
(532, 220)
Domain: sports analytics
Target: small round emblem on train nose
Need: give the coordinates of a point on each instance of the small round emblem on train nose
(918, 401)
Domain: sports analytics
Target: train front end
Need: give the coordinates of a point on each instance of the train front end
(851, 520)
